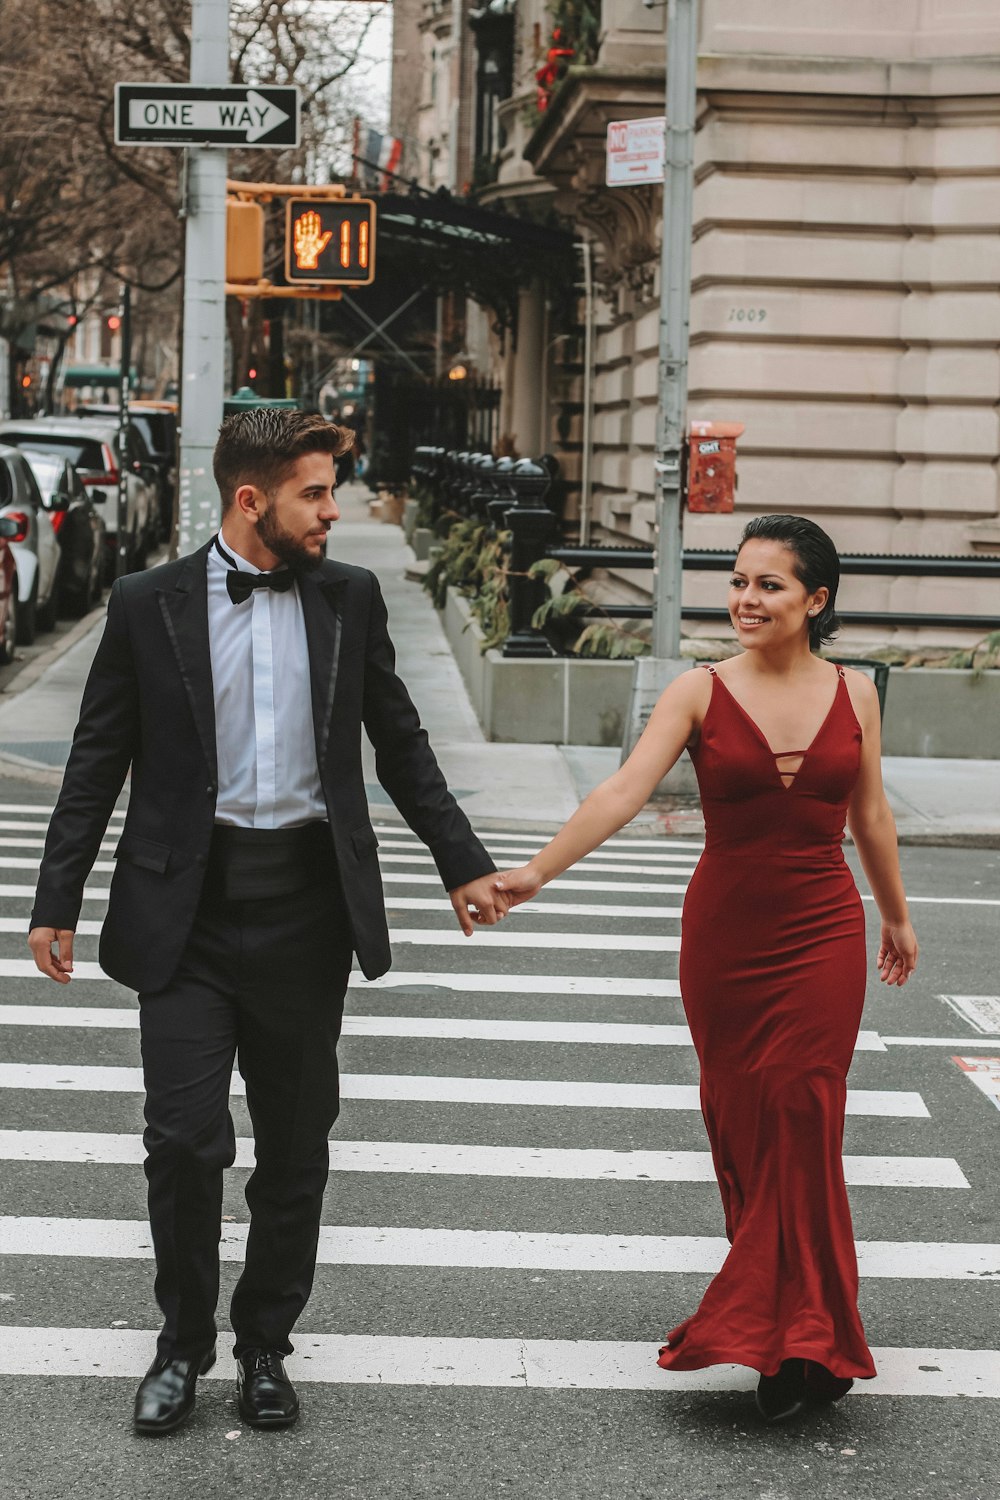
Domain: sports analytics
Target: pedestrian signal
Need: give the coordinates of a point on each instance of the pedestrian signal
(330, 242)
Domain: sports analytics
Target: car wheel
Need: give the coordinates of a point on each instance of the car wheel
(45, 614)
(9, 634)
(74, 603)
(27, 618)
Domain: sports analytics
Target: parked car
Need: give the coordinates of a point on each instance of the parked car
(8, 592)
(94, 447)
(78, 526)
(157, 423)
(34, 546)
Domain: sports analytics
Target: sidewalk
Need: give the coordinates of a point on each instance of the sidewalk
(934, 801)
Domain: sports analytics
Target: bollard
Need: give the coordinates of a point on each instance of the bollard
(482, 488)
(503, 493)
(531, 526)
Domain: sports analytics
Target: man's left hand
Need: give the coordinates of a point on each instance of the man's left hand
(488, 904)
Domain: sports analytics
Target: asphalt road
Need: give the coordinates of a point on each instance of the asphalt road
(467, 1323)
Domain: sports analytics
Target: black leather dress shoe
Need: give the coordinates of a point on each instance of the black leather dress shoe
(166, 1392)
(265, 1394)
(782, 1396)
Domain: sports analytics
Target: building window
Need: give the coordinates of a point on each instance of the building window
(493, 26)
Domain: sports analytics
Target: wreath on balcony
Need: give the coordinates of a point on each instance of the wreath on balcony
(575, 37)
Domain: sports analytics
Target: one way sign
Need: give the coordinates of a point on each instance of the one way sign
(182, 115)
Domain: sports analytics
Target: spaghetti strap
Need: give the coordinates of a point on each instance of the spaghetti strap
(839, 669)
(708, 668)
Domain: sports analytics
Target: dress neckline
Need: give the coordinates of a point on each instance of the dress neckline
(777, 755)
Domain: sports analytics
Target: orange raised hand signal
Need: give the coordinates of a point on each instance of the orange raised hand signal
(309, 240)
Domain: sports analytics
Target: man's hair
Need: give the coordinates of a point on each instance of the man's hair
(260, 447)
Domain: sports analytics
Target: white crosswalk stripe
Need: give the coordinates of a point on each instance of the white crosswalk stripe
(492, 983)
(504, 1364)
(417, 877)
(453, 937)
(487, 1249)
(547, 1092)
(599, 1033)
(434, 1159)
(534, 840)
(678, 866)
(611, 1010)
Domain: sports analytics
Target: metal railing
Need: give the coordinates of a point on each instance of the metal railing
(511, 495)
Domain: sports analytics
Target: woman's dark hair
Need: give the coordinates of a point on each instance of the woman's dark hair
(816, 564)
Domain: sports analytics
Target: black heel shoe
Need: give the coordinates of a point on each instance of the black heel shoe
(821, 1386)
(783, 1396)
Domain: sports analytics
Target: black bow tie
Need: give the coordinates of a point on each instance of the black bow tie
(242, 585)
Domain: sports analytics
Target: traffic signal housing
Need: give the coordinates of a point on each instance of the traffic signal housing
(244, 241)
(330, 242)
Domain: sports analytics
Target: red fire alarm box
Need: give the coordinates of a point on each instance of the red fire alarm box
(712, 466)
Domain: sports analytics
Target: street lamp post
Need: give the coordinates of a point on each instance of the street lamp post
(653, 673)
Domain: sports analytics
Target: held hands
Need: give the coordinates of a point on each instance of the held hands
(41, 941)
(487, 904)
(897, 953)
(492, 897)
(521, 884)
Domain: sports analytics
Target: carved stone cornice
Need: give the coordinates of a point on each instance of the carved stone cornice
(568, 149)
(624, 222)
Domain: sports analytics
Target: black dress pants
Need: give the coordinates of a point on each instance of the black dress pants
(264, 979)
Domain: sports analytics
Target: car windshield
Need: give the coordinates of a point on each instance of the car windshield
(153, 429)
(47, 469)
(83, 453)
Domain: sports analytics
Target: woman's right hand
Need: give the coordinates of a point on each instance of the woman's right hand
(520, 885)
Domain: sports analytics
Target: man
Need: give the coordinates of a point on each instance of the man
(234, 684)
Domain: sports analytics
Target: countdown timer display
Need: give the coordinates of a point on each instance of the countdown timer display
(330, 242)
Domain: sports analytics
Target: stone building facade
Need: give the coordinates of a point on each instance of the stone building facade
(846, 266)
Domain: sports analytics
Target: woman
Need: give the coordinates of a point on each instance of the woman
(772, 963)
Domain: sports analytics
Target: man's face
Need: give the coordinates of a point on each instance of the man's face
(296, 517)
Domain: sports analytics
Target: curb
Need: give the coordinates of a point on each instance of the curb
(36, 669)
(22, 767)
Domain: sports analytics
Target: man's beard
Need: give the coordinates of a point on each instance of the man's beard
(286, 547)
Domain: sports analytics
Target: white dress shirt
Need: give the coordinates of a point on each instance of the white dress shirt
(268, 774)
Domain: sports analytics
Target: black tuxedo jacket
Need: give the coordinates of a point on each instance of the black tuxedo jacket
(149, 704)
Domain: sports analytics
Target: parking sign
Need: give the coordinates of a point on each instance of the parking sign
(635, 151)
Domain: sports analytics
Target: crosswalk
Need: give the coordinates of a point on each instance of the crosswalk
(520, 1107)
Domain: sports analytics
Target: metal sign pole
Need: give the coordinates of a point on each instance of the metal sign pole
(653, 673)
(202, 359)
(125, 334)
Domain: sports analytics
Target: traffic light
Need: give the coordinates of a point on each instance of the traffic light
(330, 242)
(244, 241)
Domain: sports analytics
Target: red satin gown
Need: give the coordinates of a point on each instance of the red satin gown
(772, 974)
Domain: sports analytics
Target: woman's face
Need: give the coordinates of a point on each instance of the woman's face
(767, 604)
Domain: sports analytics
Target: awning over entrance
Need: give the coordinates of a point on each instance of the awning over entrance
(441, 244)
(438, 219)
